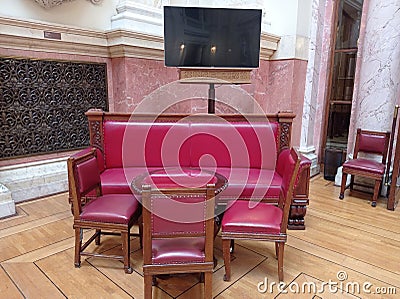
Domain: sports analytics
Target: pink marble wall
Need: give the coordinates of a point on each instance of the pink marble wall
(276, 86)
(134, 78)
(283, 89)
(259, 86)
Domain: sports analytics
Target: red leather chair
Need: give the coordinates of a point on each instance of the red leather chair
(261, 221)
(369, 142)
(113, 213)
(178, 233)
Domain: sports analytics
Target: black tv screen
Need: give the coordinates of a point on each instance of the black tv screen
(212, 37)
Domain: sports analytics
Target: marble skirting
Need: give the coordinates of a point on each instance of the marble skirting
(31, 180)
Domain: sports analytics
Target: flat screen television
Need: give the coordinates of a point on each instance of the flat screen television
(211, 37)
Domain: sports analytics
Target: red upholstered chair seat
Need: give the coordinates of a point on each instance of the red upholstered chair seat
(177, 251)
(264, 218)
(110, 208)
(365, 165)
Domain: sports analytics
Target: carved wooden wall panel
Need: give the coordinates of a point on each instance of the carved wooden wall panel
(43, 104)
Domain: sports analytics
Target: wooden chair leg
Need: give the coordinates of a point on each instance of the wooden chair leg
(141, 234)
(351, 182)
(281, 247)
(276, 249)
(208, 285)
(148, 285)
(98, 232)
(227, 258)
(125, 236)
(376, 192)
(343, 185)
(78, 246)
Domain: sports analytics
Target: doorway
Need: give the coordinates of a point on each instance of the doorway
(341, 82)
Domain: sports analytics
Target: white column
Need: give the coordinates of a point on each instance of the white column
(308, 124)
(140, 16)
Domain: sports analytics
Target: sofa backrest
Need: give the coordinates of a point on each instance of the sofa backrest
(141, 144)
(186, 140)
(239, 144)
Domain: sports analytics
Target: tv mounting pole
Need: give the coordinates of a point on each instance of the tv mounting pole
(211, 98)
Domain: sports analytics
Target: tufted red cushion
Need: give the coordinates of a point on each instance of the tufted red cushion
(112, 208)
(170, 251)
(241, 217)
(88, 174)
(364, 165)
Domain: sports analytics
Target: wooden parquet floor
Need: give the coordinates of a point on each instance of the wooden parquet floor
(347, 244)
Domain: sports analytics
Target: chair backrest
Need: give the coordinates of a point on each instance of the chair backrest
(178, 213)
(83, 177)
(290, 175)
(372, 142)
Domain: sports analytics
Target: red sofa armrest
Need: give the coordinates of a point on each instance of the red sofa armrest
(281, 160)
(99, 155)
(100, 163)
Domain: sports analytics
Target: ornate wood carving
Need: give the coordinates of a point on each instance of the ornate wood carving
(96, 134)
(43, 104)
(284, 136)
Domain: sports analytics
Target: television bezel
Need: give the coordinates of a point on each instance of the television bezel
(244, 68)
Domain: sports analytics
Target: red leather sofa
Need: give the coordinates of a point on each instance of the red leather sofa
(250, 151)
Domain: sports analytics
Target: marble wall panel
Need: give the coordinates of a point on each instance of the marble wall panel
(259, 79)
(285, 91)
(378, 80)
(134, 78)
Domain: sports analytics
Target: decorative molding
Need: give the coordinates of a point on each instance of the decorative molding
(52, 3)
(269, 44)
(124, 43)
(29, 35)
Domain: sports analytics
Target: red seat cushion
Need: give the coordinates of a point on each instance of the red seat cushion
(242, 217)
(364, 165)
(183, 250)
(110, 208)
(118, 180)
(251, 183)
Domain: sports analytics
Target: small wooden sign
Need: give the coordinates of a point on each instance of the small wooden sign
(234, 76)
(52, 35)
